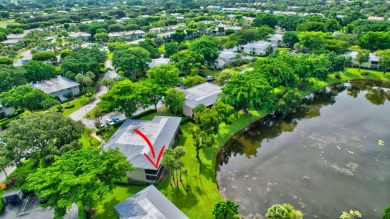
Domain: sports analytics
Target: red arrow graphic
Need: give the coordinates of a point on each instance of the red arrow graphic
(152, 149)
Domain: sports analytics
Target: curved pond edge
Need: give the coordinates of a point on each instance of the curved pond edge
(260, 118)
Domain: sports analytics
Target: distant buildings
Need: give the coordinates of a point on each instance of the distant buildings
(375, 18)
(206, 94)
(80, 35)
(6, 111)
(373, 62)
(129, 35)
(158, 62)
(148, 203)
(60, 87)
(228, 57)
(161, 131)
(276, 39)
(158, 30)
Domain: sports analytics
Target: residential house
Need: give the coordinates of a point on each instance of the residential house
(13, 39)
(258, 48)
(231, 17)
(161, 131)
(6, 111)
(373, 62)
(248, 20)
(158, 30)
(375, 18)
(148, 203)
(206, 94)
(221, 29)
(227, 57)
(276, 39)
(180, 18)
(26, 56)
(60, 87)
(129, 35)
(80, 35)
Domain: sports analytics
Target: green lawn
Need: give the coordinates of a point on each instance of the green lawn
(5, 23)
(78, 103)
(85, 142)
(109, 56)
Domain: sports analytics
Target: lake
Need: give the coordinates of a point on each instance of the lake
(331, 156)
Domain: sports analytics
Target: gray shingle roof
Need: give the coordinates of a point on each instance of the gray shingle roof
(149, 203)
(206, 94)
(56, 84)
(160, 131)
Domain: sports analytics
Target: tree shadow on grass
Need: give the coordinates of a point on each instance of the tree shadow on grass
(109, 210)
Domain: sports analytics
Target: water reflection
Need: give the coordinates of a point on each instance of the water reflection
(323, 159)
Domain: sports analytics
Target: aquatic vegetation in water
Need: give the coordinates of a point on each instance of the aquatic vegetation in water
(351, 168)
(381, 142)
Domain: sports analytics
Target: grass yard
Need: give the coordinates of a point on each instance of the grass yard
(84, 140)
(5, 23)
(109, 56)
(78, 103)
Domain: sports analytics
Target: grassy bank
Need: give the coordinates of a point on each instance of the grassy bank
(200, 200)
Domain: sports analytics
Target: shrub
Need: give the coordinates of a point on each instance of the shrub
(338, 76)
(147, 112)
(20, 181)
(69, 105)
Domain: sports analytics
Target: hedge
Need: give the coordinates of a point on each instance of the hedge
(147, 112)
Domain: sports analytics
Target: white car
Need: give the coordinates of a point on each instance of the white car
(109, 122)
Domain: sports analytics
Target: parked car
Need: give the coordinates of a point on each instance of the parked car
(115, 119)
(109, 122)
(99, 125)
(209, 78)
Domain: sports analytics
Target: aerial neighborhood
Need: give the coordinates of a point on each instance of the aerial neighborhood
(178, 109)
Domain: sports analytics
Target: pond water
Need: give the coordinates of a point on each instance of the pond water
(331, 156)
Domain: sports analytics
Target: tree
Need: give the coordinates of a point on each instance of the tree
(247, 91)
(151, 47)
(291, 212)
(48, 56)
(224, 111)
(362, 57)
(103, 37)
(6, 61)
(277, 212)
(165, 75)
(178, 36)
(384, 60)
(386, 213)
(201, 140)
(170, 49)
(375, 40)
(198, 108)
(225, 210)
(186, 60)
(25, 97)
(207, 47)
(208, 120)
(131, 61)
(174, 99)
(290, 38)
(125, 97)
(11, 77)
(223, 77)
(192, 81)
(110, 82)
(4, 160)
(39, 71)
(337, 46)
(79, 176)
(54, 135)
(314, 41)
(172, 161)
(265, 19)
(351, 215)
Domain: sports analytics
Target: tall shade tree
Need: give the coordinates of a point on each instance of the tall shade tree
(174, 99)
(26, 97)
(4, 159)
(11, 77)
(208, 120)
(314, 41)
(265, 19)
(277, 212)
(48, 56)
(192, 81)
(200, 140)
(131, 61)
(225, 210)
(384, 59)
(125, 97)
(290, 38)
(54, 135)
(247, 91)
(186, 60)
(39, 71)
(165, 75)
(170, 49)
(207, 47)
(362, 57)
(79, 176)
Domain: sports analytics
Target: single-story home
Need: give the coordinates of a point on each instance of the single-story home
(16, 36)
(26, 57)
(60, 87)
(375, 18)
(129, 35)
(373, 62)
(158, 30)
(276, 39)
(248, 19)
(13, 197)
(148, 203)
(80, 35)
(10, 42)
(206, 94)
(161, 131)
(258, 48)
(6, 111)
(227, 57)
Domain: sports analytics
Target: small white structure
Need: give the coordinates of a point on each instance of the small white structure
(206, 94)
(129, 35)
(276, 39)
(148, 203)
(60, 87)
(158, 62)
(158, 30)
(373, 62)
(258, 48)
(6, 111)
(80, 35)
(248, 19)
(161, 131)
(375, 18)
(227, 57)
